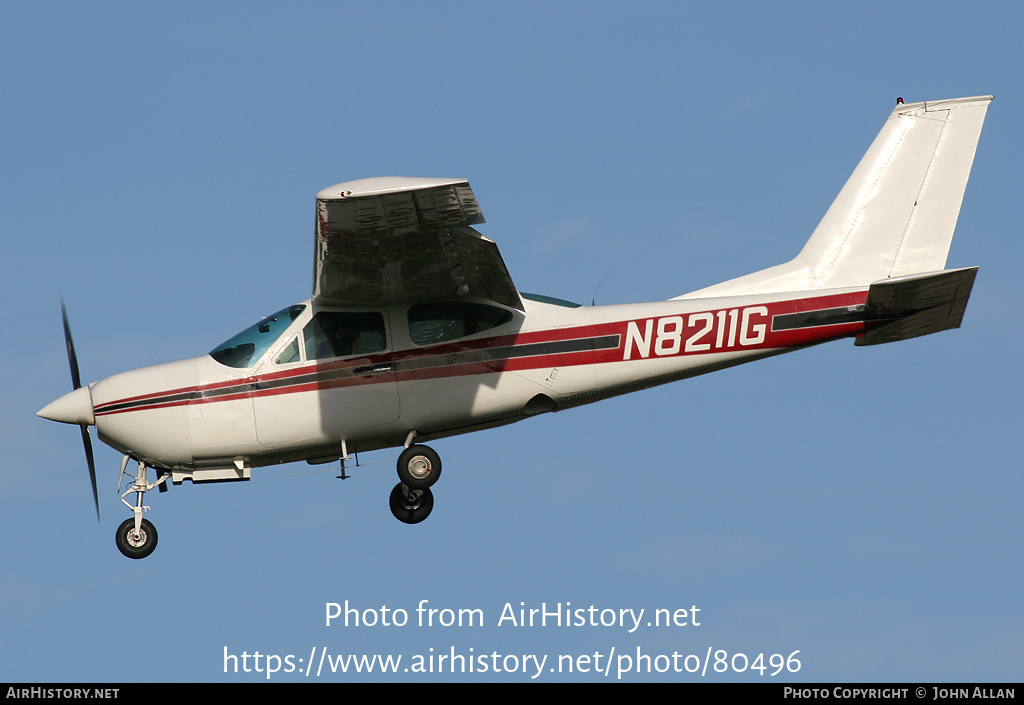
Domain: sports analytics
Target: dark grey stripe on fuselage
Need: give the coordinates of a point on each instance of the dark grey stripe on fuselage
(148, 401)
(467, 357)
(821, 317)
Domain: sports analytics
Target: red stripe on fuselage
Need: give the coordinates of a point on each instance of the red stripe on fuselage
(200, 394)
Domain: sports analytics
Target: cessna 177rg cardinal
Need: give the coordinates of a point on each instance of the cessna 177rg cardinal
(415, 330)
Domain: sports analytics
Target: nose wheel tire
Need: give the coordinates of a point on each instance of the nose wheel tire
(419, 467)
(136, 544)
(411, 506)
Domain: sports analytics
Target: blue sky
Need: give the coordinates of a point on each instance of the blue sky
(858, 505)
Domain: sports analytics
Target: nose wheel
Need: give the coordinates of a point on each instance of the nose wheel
(136, 537)
(136, 542)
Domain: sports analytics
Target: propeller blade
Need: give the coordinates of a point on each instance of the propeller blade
(87, 442)
(77, 381)
(72, 359)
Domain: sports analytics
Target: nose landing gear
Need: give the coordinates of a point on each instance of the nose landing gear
(136, 537)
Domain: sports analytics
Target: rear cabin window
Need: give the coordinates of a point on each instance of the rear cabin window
(340, 334)
(436, 323)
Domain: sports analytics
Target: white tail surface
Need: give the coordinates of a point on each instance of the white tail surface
(896, 214)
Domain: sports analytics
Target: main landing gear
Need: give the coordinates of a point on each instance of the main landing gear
(136, 537)
(411, 500)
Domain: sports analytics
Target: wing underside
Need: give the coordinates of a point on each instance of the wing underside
(393, 240)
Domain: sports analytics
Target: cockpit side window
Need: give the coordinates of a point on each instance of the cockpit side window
(339, 334)
(438, 322)
(246, 348)
(290, 352)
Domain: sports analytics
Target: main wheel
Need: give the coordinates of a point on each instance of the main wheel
(411, 506)
(419, 467)
(136, 544)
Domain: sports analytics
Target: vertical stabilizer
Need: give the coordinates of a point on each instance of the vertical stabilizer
(896, 214)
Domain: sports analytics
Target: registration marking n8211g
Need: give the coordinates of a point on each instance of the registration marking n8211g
(705, 331)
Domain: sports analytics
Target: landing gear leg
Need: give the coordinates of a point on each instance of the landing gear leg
(136, 537)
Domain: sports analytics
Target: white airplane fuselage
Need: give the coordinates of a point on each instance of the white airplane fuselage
(198, 414)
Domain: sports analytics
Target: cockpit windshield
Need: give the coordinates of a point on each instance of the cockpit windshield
(248, 346)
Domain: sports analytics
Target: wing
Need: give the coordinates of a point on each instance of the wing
(395, 240)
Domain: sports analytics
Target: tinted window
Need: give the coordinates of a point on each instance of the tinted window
(244, 349)
(338, 334)
(289, 354)
(436, 323)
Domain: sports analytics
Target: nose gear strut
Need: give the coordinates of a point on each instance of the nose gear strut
(136, 537)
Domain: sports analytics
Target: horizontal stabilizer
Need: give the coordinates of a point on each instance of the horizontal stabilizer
(907, 307)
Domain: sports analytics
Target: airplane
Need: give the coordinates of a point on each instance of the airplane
(415, 330)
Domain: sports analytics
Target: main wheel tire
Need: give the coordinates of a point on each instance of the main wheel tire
(419, 467)
(136, 545)
(411, 506)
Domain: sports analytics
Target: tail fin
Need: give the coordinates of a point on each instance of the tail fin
(896, 214)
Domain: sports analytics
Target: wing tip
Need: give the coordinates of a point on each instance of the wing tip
(380, 185)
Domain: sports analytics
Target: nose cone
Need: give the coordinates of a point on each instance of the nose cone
(74, 407)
